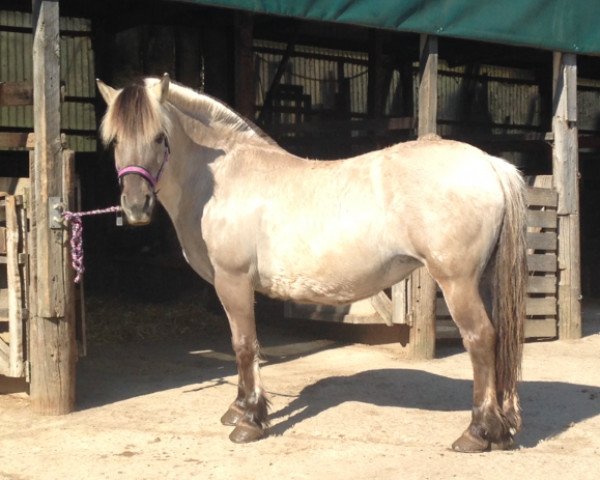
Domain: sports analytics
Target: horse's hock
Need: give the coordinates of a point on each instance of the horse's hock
(396, 306)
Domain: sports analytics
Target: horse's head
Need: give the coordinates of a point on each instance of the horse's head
(137, 126)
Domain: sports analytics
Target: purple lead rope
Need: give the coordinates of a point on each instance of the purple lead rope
(75, 219)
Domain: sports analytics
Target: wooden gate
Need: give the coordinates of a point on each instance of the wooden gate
(14, 282)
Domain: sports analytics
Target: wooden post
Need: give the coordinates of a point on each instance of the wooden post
(52, 332)
(421, 342)
(428, 67)
(565, 159)
(375, 91)
(244, 65)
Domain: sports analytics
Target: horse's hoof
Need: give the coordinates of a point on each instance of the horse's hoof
(232, 416)
(246, 433)
(469, 443)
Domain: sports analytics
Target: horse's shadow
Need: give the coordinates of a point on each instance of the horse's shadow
(549, 408)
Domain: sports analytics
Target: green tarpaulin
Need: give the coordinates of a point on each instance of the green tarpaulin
(565, 25)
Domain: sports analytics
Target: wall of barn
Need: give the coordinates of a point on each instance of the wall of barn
(77, 76)
(505, 110)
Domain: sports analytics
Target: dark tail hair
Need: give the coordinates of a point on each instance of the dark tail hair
(509, 286)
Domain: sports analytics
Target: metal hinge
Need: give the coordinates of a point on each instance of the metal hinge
(55, 209)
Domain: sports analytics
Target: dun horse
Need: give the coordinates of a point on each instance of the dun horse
(252, 217)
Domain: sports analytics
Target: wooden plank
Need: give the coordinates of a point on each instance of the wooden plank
(383, 306)
(534, 328)
(541, 328)
(52, 332)
(16, 141)
(446, 330)
(534, 307)
(541, 306)
(565, 177)
(541, 197)
(15, 292)
(542, 218)
(542, 262)
(16, 94)
(401, 303)
(539, 284)
(4, 358)
(3, 240)
(542, 241)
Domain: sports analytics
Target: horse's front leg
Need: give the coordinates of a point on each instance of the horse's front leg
(248, 412)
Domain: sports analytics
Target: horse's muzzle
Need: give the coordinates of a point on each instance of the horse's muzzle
(138, 211)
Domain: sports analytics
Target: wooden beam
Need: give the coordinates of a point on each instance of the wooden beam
(17, 141)
(428, 67)
(15, 302)
(52, 333)
(383, 306)
(16, 94)
(565, 174)
(375, 91)
(422, 333)
(244, 65)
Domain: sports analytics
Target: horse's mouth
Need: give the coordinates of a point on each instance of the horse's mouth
(137, 219)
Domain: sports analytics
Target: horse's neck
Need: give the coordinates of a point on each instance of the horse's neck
(187, 175)
(185, 188)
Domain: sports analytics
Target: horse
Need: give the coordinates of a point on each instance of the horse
(252, 217)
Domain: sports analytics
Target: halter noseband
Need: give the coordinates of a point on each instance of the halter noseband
(144, 172)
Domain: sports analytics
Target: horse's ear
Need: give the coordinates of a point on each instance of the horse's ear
(108, 93)
(161, 89)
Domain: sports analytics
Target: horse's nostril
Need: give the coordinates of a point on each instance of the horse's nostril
(148, 202)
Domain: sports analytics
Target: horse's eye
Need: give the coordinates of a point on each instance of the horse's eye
(159, 138)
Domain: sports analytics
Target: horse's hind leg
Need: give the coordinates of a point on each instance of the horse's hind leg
(248, 412)
(488, 423)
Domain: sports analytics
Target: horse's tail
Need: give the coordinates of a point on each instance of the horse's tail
(509, 286)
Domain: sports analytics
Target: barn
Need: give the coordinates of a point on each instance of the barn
(326, 79)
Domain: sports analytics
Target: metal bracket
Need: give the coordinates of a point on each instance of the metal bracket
(55, 208)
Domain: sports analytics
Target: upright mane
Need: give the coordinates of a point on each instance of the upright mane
(209, 121)
(134, 116)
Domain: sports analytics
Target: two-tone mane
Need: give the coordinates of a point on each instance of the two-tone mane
(137, 116)
(134, 116)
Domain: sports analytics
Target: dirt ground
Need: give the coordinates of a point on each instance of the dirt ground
(339, 410)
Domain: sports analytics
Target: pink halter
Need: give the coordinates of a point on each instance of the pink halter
(145, 173)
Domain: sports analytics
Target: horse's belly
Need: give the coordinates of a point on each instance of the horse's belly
(335, 285)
